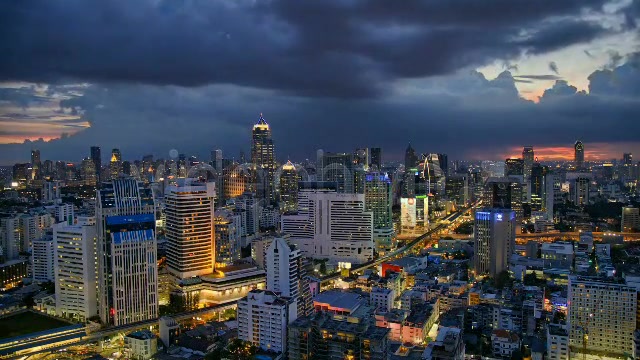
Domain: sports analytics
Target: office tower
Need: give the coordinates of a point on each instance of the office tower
(216, 160)
(115, 166)
(47, 168)
(410, 158)
(182, 166)
(36, 165)
(504, 193)
(263, 157)
(443, 162)
(375, 158)
(97, 163)
(361, 157)
(21, 173)
(627, 159)
(538, 190)
(235, 179)
(286, 276)
(248, 203)
(457, 189)
(331, 225)
(494, 237)
(127, 258)
(189, 228)
(578, 157)
(601, 315)
(552, 189)
(51, 191)
(378, 198)
(263, 317)
(528, 158)
(514, 167)
(338, 168)
(580, 188)
(630, 219)
(76, 262)
(289, 179)
(42, 260)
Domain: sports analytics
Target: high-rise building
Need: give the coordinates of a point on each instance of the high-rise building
(228, 232)
(88, 172)
(11, 237)
(378, 198)
(443, 162)
(504, 193)
(494, 237)
(578, 157)
(286, 275)
(331, 225)
(410, 158)
(538, 189)
(97, 163)
(601, 313)
(189, 228)
(580, 189)
(115, 165)
(457, 188)
(76, 262)
(630, 219)
(127, 258)
(249, 204)
(216, 160)
(338, 168)
(36, 164)
(263, 317)
(361, 157)
(289, 179)
(51, 190)
(42, 260)
(514, 167)
(263, 158)
(375, 158)
(528, 158)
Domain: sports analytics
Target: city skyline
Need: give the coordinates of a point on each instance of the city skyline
(560, 72)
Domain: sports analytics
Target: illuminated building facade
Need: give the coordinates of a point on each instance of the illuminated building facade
(127, 258)
(338, 168)
(96, 158)
(189, 210)
(494, 237)
(528, 158)
(115, 165)
(263, 157)
(228, 235)
(378, 200)
(289, 179)
(578, 156)
(514, 167)
(75, 270)
(263, 317)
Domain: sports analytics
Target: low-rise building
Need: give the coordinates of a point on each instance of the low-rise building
(557, 342)
(504, 343)
(448, 345)
(140, 345)
(382, 298)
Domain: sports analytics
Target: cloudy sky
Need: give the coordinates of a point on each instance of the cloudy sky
(474, 79)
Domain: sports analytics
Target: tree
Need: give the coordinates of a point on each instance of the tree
(503, 279)
(530, 279)
(236, 350)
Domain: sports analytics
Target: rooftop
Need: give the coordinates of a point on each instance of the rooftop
(142, 335)
(340, 299)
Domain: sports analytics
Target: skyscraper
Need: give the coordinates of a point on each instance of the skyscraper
(286, 276)
(538, 187)
(578, 156)
(528, 157)
(289, 179)
(263, 158)
(216, 160)
(410, 158)
(375, 158)
(504, 193)
(494, 237)
(127, 258)
(378, 200)
(338, 168)
(514, 167)
(115, 165)
(443, 162)
(190, 228)
(97, 163)
(36, 164)
(601, 313)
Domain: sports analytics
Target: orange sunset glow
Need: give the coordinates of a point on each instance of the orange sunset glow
(593, 151)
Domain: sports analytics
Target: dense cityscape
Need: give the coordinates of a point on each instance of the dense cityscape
(345, 257)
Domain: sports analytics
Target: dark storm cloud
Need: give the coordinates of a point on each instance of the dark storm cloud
(337, 48)
(462, 115)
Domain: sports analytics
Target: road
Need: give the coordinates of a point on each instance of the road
(446, 222)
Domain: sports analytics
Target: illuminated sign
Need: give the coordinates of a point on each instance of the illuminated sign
(408, 212)
(498, 217)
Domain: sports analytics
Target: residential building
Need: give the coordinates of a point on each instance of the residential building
(75, 254)
(140, 345)
(263, 317)
(630, 219)
(504, 343)
(557, 342)
(382, 298)
(286, 276)
(42, 259)
(448, 345)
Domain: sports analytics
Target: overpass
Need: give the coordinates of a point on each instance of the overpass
(420, 240)
(574, 235)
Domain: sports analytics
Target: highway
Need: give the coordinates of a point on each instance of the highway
(403, 250)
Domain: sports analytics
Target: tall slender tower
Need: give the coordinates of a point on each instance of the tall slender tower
(289, 179)
(115, 166)
(35, 164)
(97, 162)
(528, 157)
(263, 158)
(495, 234)
(190, 228)
(127, 257)
(579, 155)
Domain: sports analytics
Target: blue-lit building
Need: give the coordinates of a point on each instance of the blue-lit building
(494, 236)
(127, 258)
